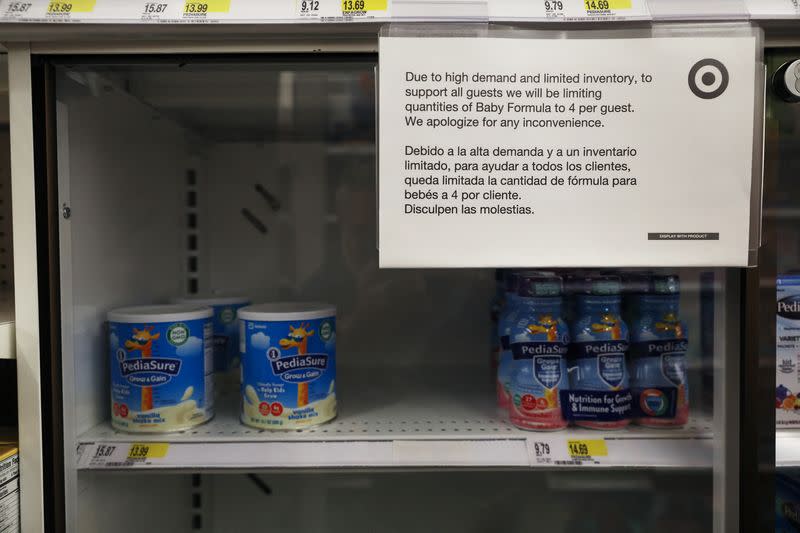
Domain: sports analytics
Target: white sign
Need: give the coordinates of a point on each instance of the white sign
(773, 8)
(565, 152)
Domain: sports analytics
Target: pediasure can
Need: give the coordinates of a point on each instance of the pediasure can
(161, 367)
(226, 328)
(288, 364)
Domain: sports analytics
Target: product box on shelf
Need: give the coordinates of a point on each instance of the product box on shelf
(787, 347)
(9, 487)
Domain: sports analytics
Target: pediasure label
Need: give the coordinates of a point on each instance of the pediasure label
(787, 348)
(602, 394)
(539, 373)
(161, 375)
(288, 372)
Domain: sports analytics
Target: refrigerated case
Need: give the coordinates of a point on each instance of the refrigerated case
(781, 213)
(145, 171)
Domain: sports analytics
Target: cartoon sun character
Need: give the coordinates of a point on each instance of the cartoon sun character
(546, 324)
(608, 322)
(298, 338)
(670, 323)
(551, 395)
(142, 341)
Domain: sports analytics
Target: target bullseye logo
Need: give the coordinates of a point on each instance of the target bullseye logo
(708, 78)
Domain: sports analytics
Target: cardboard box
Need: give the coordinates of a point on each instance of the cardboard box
(9, 488)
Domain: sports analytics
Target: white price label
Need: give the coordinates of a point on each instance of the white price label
(154, 10)
(553, 9)
(99, 454)
(539, 452)
(307, 8)
(17, 10)
(317, 9)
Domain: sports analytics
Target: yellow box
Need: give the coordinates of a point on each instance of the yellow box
(71, 6)
(587, 448)
(207, 6)
(601, 5)
(148, 450)
(350, 6)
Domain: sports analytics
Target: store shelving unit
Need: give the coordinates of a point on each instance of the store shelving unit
(451, 424)
(390, 418)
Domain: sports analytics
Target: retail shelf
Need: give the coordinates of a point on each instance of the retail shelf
(787, 448)
(394, 418)
(287, 12)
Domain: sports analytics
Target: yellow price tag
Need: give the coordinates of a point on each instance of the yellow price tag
(605, 5)
(73, 6)
(362, 6)
(587, 448)
(206, 6)
(148, 450)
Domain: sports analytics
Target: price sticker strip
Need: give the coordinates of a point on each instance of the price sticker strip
(121, 455)
(568, 10)
(188, 11)
(688, 451)
(562, 451)
(254, 11)
(596, 9)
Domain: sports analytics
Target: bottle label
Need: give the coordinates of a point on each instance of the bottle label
(288, 373)
(673, 366)
(655, 402)
(539, 372)
(660, 385)
(160, 374)
(611, 369)
(603, 406)
(547, 370)
(601, 364)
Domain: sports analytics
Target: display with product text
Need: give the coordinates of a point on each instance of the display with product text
(588, 152)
